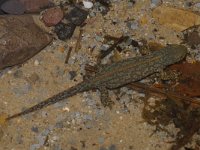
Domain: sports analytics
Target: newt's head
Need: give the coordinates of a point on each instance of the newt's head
(175, 52)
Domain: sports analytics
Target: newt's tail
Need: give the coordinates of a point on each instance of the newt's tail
(52, 100)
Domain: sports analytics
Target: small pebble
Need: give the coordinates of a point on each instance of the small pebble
(87, 117)
(112, 147)
(101, 140)
(10, 72)
(155, 3)
(72, 74)
(64, 31)
(35, 129)
(133, 25)
(125, 99)
(197, 5)
(104, 47)
(76, 16)
(99, 38)
(36, 62)
(44, 114)
(52, 16)
(87, 4)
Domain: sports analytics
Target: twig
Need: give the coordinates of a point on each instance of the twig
(163, 92)
(111, 48)
(78, 40)
(68, 55)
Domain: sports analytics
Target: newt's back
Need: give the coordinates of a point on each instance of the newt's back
(133, 69)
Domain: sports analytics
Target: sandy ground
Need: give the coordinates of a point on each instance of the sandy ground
(80, 122)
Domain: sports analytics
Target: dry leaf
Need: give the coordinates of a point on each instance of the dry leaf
(174, 18)
(189, 80)
(20, 39)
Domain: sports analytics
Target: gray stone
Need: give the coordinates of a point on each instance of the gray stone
(112, 147)
(35, 129)
(155, 3)
(133, 25)
(22, 89)
(197, 5)
(101, 140)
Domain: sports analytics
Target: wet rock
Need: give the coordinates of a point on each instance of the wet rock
(20, 39)
(76, 16)
(64, 31)
(52, 16)
(35, 5)
(13, 7)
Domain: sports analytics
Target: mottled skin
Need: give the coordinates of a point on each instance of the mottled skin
(116, 75)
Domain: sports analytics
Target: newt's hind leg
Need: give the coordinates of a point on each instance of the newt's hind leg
(105, 99)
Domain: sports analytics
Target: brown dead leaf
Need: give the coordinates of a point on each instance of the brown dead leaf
(174, 18)
(189, 79)
(20, 39)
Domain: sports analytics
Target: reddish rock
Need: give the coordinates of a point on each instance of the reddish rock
(20, 39)
(52, 16)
